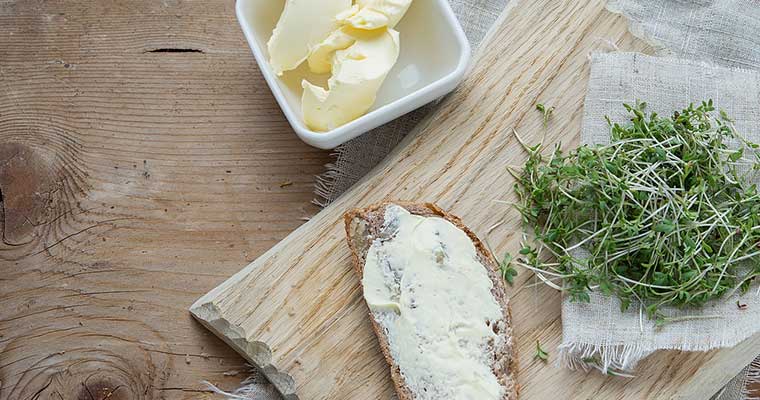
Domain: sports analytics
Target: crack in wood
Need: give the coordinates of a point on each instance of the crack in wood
(185, 389)
(106, 292)
(175, 50)
(2, 216)
(69, 236)
(88, 389)
(39, 392)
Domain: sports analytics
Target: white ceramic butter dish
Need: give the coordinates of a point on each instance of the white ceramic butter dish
(433, 59)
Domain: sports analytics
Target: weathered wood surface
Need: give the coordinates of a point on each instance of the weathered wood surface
(297, 311)
(142, 161)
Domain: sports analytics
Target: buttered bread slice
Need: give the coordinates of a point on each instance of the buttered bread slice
(437, 303)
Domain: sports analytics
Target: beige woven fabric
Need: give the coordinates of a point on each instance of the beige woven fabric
(598, 329)
(724, 32)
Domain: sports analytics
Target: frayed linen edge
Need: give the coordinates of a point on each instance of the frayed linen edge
(637, 29)
(249, 389)
(324, 184)
(622, 359)
(617, 359)
(226, 395)
(752, 377)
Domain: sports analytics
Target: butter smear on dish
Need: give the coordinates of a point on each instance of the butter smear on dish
(356, 43)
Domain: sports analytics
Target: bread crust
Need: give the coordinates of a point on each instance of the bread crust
(360, 238)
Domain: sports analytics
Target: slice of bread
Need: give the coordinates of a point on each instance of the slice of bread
(364, 227)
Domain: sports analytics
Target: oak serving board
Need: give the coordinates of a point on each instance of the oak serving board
(297, 311)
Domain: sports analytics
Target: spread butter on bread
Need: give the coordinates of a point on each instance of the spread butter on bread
(437, 303)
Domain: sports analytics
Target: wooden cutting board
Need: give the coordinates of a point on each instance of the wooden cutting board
(297, 312)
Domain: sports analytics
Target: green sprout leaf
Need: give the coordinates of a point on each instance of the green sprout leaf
(508, 272)
(663, 215)
(546, 111)
(665, 226)
(540, 353)
(735, 156)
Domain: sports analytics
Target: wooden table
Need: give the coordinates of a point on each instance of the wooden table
(143, 161)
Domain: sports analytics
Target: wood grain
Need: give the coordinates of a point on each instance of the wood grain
(752, 384)
(297, 311)
(142, 161)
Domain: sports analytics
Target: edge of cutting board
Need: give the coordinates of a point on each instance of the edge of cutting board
(257, 353)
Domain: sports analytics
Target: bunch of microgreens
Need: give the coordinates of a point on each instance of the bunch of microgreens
(662, 215)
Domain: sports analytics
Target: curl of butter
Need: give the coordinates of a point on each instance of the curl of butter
(302, 25)
(374, 14)
(321, 56)
(364, 15)
(356, 42)
(358, 70)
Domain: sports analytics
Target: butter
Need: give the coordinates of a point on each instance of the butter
(321, 57)
(354, 42)
(358, 72)
(364, 15)
(375, 14)
(302, 25)
(423, 282)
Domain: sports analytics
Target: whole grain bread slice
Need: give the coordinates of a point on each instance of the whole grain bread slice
(363, 226)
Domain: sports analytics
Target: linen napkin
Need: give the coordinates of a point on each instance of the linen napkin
(724, 32)
(598, 330)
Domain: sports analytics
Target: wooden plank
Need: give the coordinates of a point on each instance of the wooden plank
(297, 311)
(142, 161)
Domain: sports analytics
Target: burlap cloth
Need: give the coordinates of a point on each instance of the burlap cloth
(722, 32)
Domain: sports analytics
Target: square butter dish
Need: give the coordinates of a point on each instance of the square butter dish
(432, 61)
